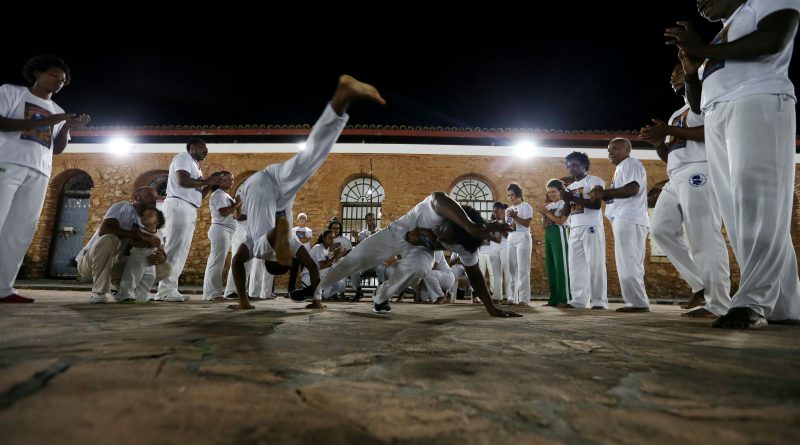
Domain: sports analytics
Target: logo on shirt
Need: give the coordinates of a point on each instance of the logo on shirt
(698, 180)
(675, 143)
(41, 135)
(711, 66)
(591, 230)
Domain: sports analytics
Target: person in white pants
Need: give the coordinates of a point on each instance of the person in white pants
(236, 240)
(102, 261)
(485, 263)
(268, 195)
(748, 102)
(458, 270)
(223, 226)
(587, 239)
(498, 256)
(687, 204)
(626, 209)
(372, 227)
(438, 222)
(304, 234)
(32, 129)
(186, 189)
(438, 281)
(519, 215)
(139, 274)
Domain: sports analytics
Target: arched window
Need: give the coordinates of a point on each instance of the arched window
(360, 196)
(476, 193)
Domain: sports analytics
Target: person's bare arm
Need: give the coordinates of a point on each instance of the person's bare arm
(110, 226)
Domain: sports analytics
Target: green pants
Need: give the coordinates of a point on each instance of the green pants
(555, 239)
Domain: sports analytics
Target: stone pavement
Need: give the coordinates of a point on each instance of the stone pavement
(198, 373)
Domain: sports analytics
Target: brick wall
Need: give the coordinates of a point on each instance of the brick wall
(406, 179)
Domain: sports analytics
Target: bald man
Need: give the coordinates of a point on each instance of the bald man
(102, 260)
(626, 208)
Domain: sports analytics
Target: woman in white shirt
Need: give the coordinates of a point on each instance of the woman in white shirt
(519, 215)
(326, 253)
(556, 243)
(223, 225)
(498, 256)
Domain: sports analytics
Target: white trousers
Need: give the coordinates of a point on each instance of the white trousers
(180, 217)
(750, 144)
(437, 282)
(458, 271)
(587, 266)
(687, 204)
(102, 264)
(261, 281)
(522, 249)
(485, 264)
(413, 266)
(236, 240)
(22, 192)
(220, 238)
(138, 275)
(630, 245)
(502, 275)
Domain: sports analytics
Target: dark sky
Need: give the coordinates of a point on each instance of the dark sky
(568, 67)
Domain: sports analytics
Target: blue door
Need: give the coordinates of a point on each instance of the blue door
(68, 236)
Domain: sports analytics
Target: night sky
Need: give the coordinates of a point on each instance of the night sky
(570, 67)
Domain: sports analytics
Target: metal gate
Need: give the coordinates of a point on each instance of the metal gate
(70, 228)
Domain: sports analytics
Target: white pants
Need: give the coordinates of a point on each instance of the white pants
(261, 281)
(630, 245)
(414, 265)
(688, 203)
(750, 144)
(486, 268)
(236, 240)
(180, 217)
(220, 238)
(102, 264)
(502, 276)
(437, 282)
(22, 192)
(138, 275)
(523, 247)
(587, 266)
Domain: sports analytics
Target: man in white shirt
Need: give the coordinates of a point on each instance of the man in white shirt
(32, 129)
(303, 234)
(687, 204)
(372, 227)
(743, 88)
(436, 223)
(626, 208)
(268, 195)
(587, 239)
(102, 260)
(186, 189)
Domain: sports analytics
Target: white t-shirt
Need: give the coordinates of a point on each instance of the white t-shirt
(125, 214)
(438, 258)
(728, 80)
(423, 216)
(633, 209)
(557, 208)
(684, 155)
(343, 241)
(221, 199)
(364, 234)
(305, 231)
(30, 148)
(580, 216)
(263, 250)
(184, 161)
(524, 211)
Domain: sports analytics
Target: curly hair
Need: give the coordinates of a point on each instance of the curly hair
(583, 158)
(463, 238)
(41, 64)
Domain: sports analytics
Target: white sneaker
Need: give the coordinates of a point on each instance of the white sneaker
(98, 298)
(175, 296)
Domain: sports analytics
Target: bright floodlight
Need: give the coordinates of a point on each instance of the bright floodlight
(301, 146)
(119, 146)
(525, 149)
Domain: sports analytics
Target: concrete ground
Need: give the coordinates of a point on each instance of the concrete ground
(197, 373)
